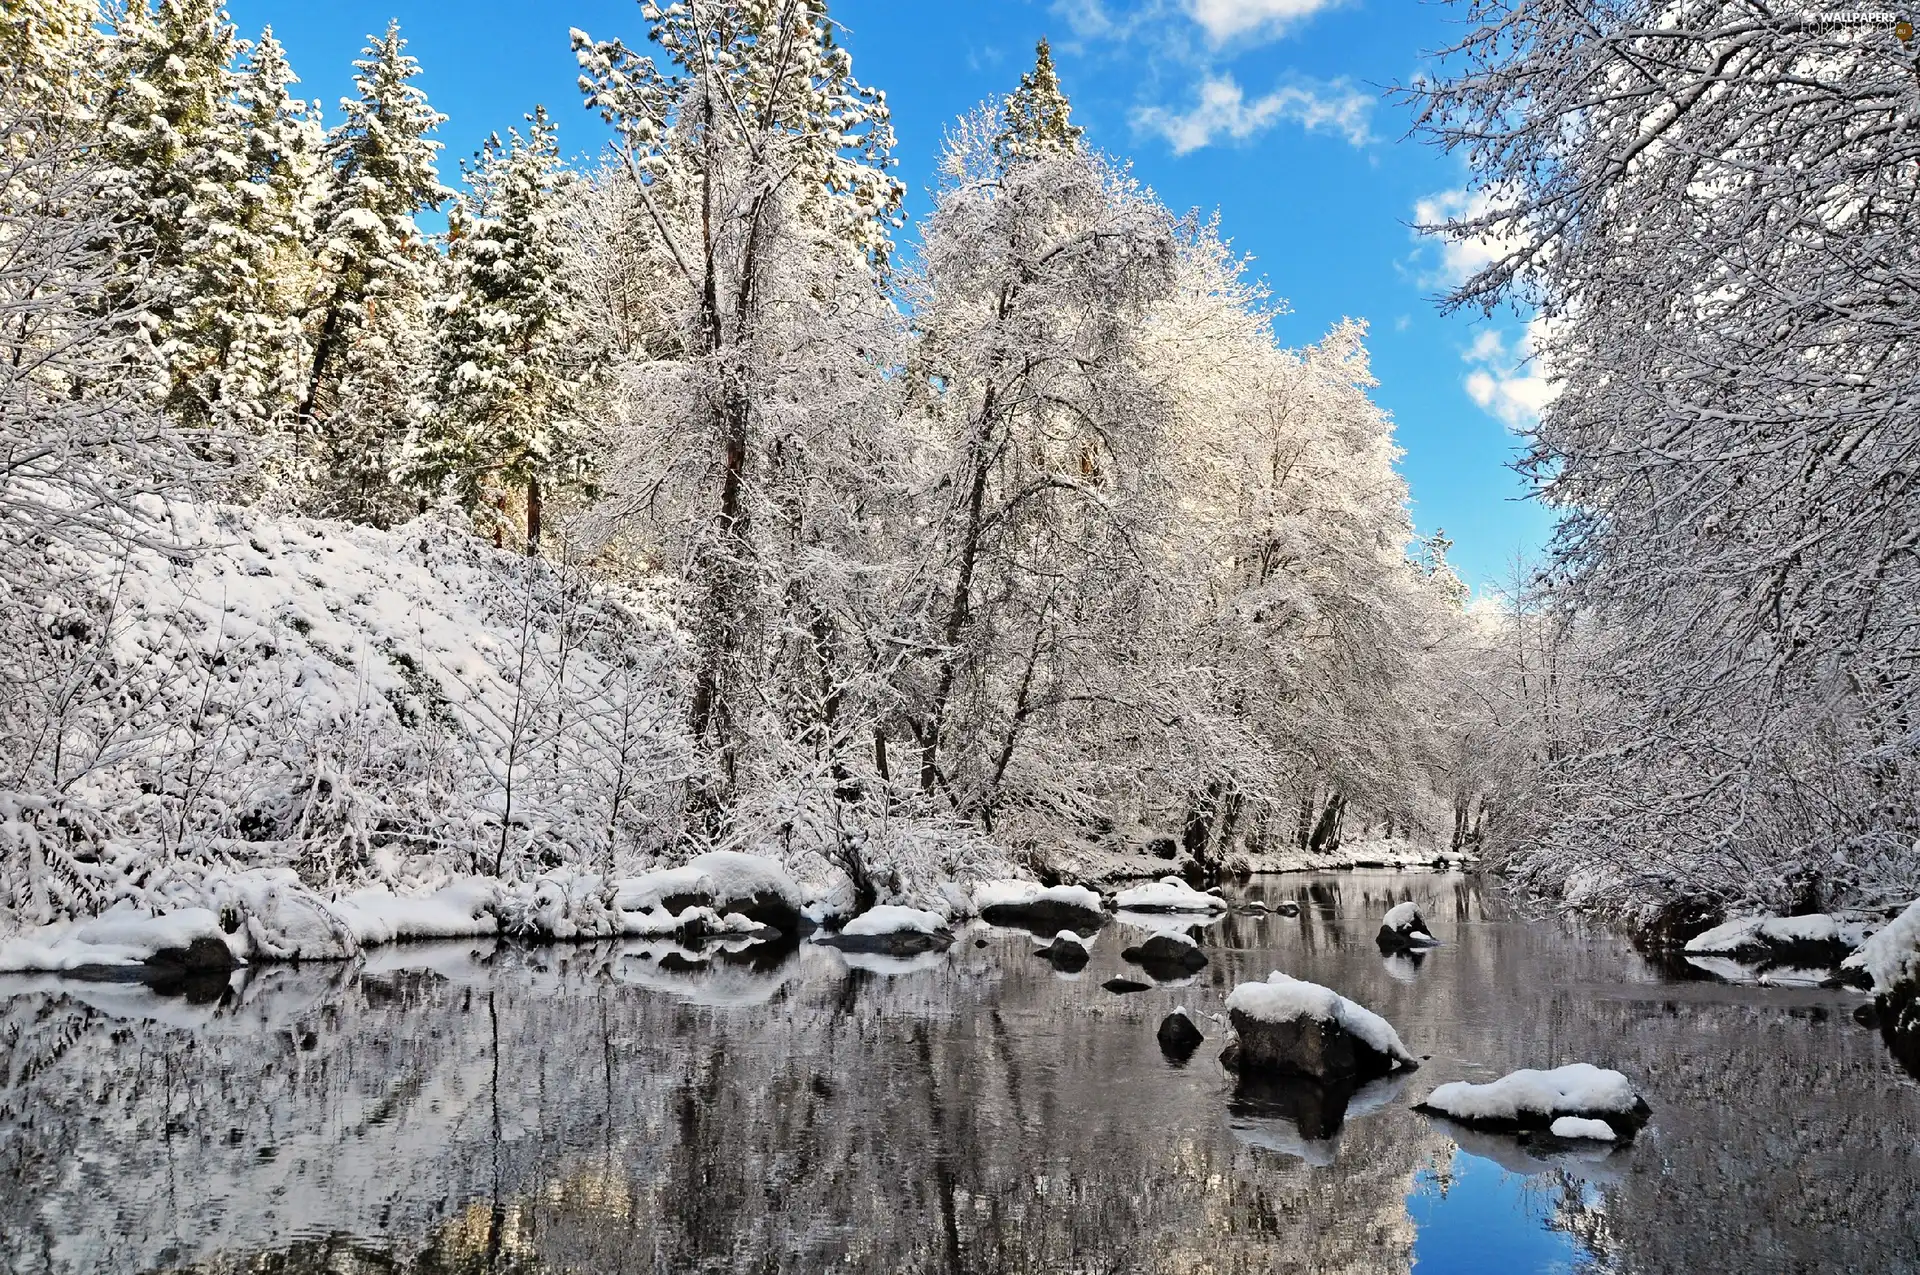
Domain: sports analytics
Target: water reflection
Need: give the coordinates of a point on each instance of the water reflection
(474, 1107)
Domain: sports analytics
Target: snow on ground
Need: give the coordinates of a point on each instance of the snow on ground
(1282, 998)
(1892, 956)
(1571, 1127)
(465, 909)
(1575, 1089)
(890, 919)
(989, 894)
(1169, 894)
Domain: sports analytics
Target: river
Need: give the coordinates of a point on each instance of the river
(478, 1107)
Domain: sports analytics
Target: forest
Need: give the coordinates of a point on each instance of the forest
(689, 500)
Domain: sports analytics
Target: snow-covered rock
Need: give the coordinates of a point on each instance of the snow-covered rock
(1178, 1036)
(1169, 894)
(893, 931)
(1818, 941)
(724, 881)
(1068, 951)
(1891, 958)
(124, 938)
(1167, 956)
(1404, 930)
(1572, 1127)
(1530, 1099)
(1293, 1027)
(1042, 909)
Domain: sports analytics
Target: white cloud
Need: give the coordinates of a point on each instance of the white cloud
(1225, 19)
(1511, 384)
(1461, 258)
(1224, 112)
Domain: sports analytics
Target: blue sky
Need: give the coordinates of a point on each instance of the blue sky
(1270, 111)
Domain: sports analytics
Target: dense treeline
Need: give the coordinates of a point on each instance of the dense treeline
(1040, 542)
(1712, 202)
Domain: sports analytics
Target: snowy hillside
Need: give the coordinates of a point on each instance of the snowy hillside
(355, 703)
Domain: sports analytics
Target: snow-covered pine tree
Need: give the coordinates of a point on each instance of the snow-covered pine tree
(505, 427)
(251, 263)
(368, 322)
(168, 136)
(1037, 116)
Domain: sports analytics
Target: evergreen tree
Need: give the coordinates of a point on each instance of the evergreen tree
(167, 138)
(1038, 117)
(377, 274)
(505, 425)
(233, 342)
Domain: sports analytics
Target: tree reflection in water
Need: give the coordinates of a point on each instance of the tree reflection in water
(624, 1109)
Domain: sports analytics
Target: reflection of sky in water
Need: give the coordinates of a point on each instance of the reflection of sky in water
(1476, 1216)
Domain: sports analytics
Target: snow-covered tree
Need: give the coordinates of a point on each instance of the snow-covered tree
(1037, 116)
(1712, 202)
(368, 322)
(506, 423)
(757, 158)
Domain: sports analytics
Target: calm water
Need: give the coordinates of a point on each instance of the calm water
(461, 1108)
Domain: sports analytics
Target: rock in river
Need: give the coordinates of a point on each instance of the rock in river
(1167, 956)
(1289, 1027)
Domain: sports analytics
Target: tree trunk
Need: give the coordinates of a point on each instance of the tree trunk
(533, 517)
(1326, 832)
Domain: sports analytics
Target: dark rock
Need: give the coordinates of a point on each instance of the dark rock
(898, 943)
(1286, 907)
(1254, 907)
(1121, 986)
(205, 955)
(1064, 954)
(1867, 1015)
(1045, 917)
(1318, 1109)
(1166, 958)
(1304, 1046)
(1410, 935)
(979, 942)
(1677, 922)
(1899, 1015)
(1163, 848)
(1179, 1037)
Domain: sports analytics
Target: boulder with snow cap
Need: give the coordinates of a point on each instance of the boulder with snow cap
(1286, 1026)
(1167, 956)
(1045, 910)
(1178, 1036)
(1404, 930)
(1889, 963)
(722, 881)
(1530, 1100)
(1819, 942)
(1068, 952)
(891, 931)
(1169, 894)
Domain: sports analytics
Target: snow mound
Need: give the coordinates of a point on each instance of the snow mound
(720, 876)
(1169, 894)
(1892, 956)
(1400, 915)
(1537, 1097)
(1571, 1127)
(989, 894)
(1281, 999)
(1750, 932)
(889, 919)
(465, 909)
(123, 936)
(1068, 936)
